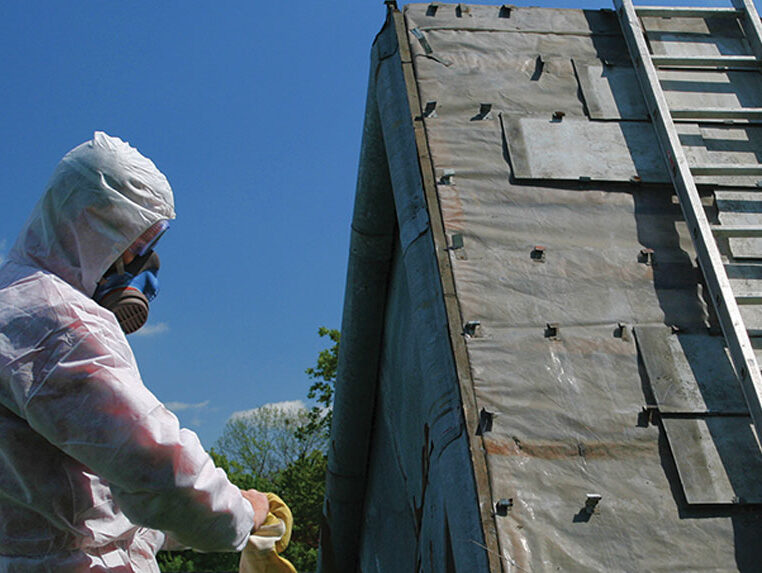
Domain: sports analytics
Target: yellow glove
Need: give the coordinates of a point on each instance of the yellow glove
(261, 552)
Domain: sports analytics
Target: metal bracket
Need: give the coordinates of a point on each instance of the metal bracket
(649, 412)
(538, 254)
(430, 109)
(646, 256)
(622, 331)
(422, 40)
(503, 506)
(456, 242)
(427, 49)
(471, 327)
(591, 502)
(484, 112)
(485, 422)
(447, 176)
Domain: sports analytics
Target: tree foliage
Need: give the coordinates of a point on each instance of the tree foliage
(283, 450)
(264, 441)
(322, 389)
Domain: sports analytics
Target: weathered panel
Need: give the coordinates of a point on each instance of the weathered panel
(689, 373)
(722, 144)
(739, 207)
(718, 459)
(611, 91)
(572, 149)
(479, 56)
(716, 88)
(704, 416)
(695, 36)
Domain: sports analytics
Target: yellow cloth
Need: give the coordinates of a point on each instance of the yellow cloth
(261, 552)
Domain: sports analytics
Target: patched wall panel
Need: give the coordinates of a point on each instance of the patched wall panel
(741, 207)
(567, 403)
(703, 412)
(611, 91)
(569, 149)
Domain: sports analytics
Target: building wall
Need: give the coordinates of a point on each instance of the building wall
(421, 504)
(420, 508)
(509, 132)
(537, 140)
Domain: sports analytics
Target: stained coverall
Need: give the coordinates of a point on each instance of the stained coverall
(95, 473)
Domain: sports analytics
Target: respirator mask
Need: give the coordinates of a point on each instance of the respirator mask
(127, 289)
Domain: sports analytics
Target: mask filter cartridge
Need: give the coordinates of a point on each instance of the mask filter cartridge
(127, 291)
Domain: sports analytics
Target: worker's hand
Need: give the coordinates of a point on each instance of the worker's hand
(259, 503)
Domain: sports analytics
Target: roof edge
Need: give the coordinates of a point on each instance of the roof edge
(452, 305)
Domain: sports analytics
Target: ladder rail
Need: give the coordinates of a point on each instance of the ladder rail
(752, 26)
(718, 285)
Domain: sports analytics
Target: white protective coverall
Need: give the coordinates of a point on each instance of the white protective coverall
(95, 473)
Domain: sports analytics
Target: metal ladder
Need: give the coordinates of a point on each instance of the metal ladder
(726, 303)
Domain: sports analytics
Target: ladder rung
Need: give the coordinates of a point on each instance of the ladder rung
(727, 169)
(686, 12)
(747, 299)
(737, 230)
(706, 61)
(710, 259)
(750, 113)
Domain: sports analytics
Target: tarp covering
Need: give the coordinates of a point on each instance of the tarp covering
(418, 508)
(566, 260)
(567, 400)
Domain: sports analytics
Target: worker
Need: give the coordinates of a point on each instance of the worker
(95, 473)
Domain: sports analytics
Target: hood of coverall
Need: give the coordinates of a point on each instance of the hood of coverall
(102, 196)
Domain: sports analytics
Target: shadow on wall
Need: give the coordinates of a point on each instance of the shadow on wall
(679, 289)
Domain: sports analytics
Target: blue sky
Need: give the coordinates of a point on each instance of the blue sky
(254, 112)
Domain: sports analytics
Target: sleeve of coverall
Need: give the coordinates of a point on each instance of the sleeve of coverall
(88, 399)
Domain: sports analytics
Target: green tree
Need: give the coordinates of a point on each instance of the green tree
(283, 450)
(264, 441)
(322, 389)
(302, 483)
(192, 562)
(239, 475)
(173, 562)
